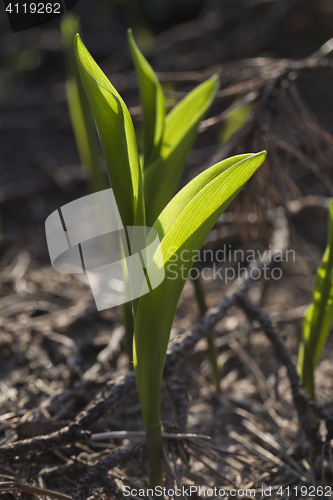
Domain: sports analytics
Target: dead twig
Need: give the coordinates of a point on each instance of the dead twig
(101, 468)
(135, 434)
(14, 486)
(177, 391)
(301, 401)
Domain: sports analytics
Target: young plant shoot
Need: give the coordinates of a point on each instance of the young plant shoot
(167, 140)
(182, 223)
(80, 114)
(319, 316)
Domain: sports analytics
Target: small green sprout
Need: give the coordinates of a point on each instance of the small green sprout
(167, 138)
(183, 224)
(153, 104)
(319, 315)
(167, 142)
(234, 122)
(80, 114)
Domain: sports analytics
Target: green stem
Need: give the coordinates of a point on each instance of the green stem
(212, 351)
(154, 449)
(308, 353)
(128, 322)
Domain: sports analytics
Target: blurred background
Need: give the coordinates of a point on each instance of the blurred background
(192, 39)
(277, 76)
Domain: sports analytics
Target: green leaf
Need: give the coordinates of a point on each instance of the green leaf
(234, 122)
(319, 315)
(116, 133)
(181, 125)
(183, 225)
(80, 113)
(152, 99)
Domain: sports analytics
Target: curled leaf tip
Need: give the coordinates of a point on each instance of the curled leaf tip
(77, 42)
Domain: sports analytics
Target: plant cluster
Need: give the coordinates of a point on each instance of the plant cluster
(318, 318)
(143, 188)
